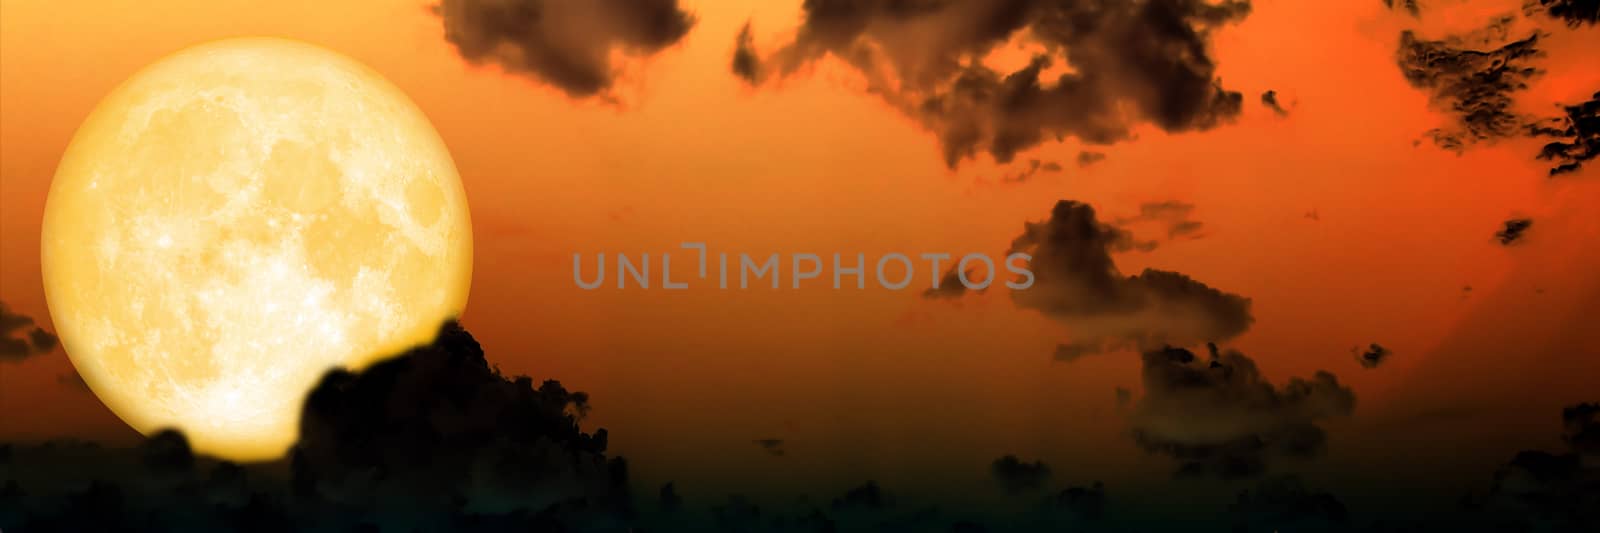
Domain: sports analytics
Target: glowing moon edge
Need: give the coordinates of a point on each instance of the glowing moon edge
(235, 220)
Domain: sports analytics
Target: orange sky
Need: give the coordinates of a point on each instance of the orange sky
(817, 164)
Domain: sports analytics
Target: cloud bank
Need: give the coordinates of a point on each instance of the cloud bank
(1077, 282)
(1222, 418)
(433, 440)
(568, 44)
(1128, 63)
(1476, 78)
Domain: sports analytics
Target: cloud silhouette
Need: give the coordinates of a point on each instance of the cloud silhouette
(1574, 12)
(746, 61)
(1172, 214)
(1033, 168)
(1578, 131)
(442, 400)
(1088, 503)
(1221, 418)
(439, 427)
(1270, 99)
(1410, 6)
(866, 496)
(570, 45)
(1129, 63)
(1473, 78)
(1581, 428)
(1545, 491)
(1372, 356)
(950, 286)
(1512, 231)
(1077, 282)
(1015, 475)
(20, 338)
(434, 440)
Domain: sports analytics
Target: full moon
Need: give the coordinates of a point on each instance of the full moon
(239, 218)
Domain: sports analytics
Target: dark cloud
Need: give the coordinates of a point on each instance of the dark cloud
(1410, 6)
(1545, 491)
(157, 485)
(866, 496)
(569, 44)
(773, 447)
(1087, 158)
(438, 425)
(426, 410)
(1581, 428)
(1128, 63)
(950, 286)
(20, 338)
(1578, 131)
(1015, 475)
(167, 451)
(1088, 503)
(432, 440)
(1172, 214)
(1473, 79)
(1029, 170)
(1512, 231)
(1167, 210)
(1034, 167)
(1372, 356)
(1284, 503)
(1077, 282)
(1270, 99)
(1221, 418)
(1185, 228)
(746, 61)
(1574, 12)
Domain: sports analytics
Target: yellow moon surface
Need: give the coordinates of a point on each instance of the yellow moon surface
(239, 218)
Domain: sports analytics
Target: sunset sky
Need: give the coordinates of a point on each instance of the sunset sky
(1340, 220)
